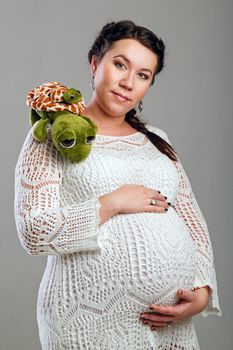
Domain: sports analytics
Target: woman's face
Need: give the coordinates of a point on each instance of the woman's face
(123, 76)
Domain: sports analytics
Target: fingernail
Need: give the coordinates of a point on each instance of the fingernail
(166, 209)
(159, 192)
(165, 197)
(168, 203)
(151, 308)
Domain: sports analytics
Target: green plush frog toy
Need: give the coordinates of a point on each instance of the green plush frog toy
(71, 133)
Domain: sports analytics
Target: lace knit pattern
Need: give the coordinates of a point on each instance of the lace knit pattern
(99, 277)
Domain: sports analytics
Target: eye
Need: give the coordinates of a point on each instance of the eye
(143, 76)
(68, 143)
(119, 64)
(89, 139)
(79, 92)
(72, 97)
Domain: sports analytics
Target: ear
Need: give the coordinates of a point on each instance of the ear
(94, 64)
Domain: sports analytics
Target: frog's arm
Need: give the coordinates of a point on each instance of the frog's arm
(40, 130)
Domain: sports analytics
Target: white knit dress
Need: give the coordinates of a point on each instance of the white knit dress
(99, 278)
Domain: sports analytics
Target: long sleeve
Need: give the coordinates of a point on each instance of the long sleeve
(188, 209)
(43, 227)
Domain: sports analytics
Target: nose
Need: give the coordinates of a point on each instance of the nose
(127, 82)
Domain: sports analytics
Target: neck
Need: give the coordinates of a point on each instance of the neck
(103, 120)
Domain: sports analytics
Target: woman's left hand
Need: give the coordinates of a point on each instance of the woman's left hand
(190, 304)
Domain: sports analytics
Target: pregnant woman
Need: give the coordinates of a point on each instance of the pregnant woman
(129, 258)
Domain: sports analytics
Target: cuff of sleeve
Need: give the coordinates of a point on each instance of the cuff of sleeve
(82, 229)
(213, 307)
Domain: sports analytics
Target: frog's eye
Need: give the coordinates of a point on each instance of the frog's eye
(68, 143)
(79, 92)
(72, 97)
(89, 139)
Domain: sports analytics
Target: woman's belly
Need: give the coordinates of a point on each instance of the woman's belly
(151, 255)
(154, 251)
(144, 258)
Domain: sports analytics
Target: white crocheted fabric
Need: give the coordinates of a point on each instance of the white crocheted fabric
(99, 278)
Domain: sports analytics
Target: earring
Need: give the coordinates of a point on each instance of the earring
(140, 106)
(92, 83)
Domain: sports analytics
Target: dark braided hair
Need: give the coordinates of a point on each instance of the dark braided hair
(114, 31)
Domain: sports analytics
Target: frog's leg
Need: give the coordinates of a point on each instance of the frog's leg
(34, 117)
(40, 131)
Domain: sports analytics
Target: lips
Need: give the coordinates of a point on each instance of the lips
(122, 96)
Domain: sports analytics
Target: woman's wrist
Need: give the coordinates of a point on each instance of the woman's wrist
(202, 294)
(108, 207)
(206, 287)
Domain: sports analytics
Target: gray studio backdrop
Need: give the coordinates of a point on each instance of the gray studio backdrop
(191, 100)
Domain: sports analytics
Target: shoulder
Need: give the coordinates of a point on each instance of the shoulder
(31, 146)
(37, 158)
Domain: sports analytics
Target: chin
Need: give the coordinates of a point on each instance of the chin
(120, 110)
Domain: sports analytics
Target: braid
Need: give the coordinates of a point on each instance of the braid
(132, 119)
(163, 146)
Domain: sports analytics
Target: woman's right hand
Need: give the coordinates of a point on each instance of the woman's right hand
(133, 198)
(130, 198)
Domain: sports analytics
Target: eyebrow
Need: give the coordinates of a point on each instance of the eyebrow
(126, 59)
